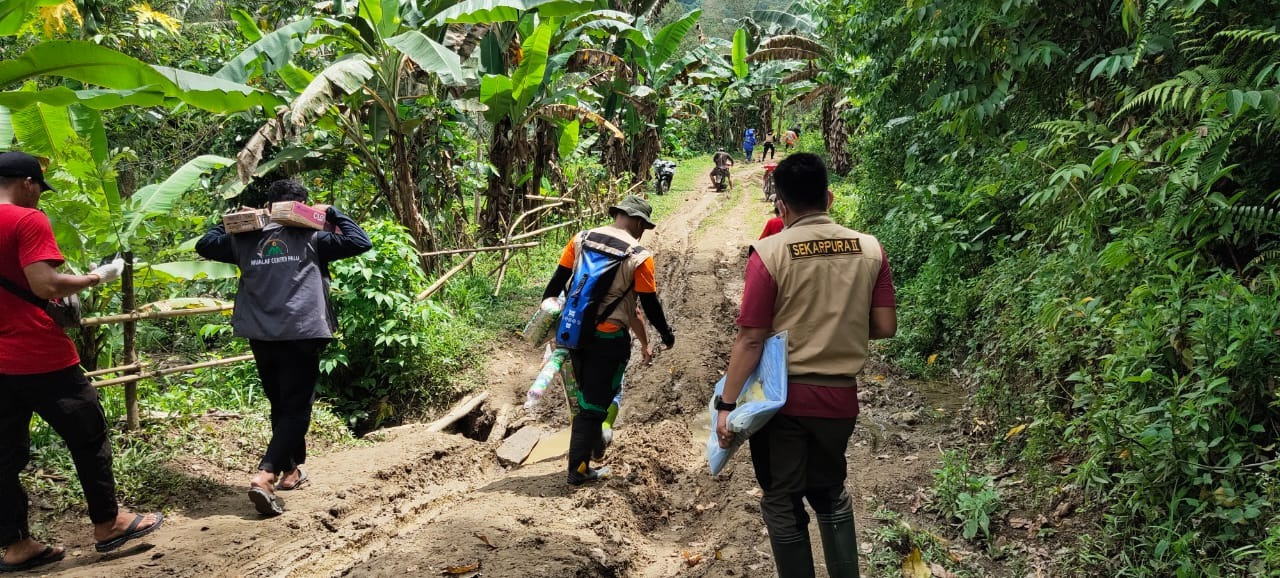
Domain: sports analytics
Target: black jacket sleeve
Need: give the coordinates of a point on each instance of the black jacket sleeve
(559, 280)
(653, 311)
(353, 240)
(216, 246)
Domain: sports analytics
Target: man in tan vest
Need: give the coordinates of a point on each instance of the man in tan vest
(832, 289)
(601, 360)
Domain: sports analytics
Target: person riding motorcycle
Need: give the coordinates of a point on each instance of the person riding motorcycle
(723, 162)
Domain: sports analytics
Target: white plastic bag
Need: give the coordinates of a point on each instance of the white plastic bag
(764, 394)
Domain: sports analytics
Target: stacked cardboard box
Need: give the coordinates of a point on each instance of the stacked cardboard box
(295, 214)
(245, 220)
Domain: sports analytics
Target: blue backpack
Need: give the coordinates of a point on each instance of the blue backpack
(596, 263)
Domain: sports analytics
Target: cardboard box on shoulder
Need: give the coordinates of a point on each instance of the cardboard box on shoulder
(245, 220)
(295, 214)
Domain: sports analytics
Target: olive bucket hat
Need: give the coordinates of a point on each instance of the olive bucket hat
(636, 207)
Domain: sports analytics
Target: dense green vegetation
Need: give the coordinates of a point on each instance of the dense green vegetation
(1080, 204)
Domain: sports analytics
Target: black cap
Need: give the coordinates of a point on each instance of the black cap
(22, 165)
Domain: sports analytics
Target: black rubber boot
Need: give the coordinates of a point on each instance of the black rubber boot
(839, 543)
(794, 559)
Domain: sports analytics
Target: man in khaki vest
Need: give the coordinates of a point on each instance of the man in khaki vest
(601, 361)
(832, 289)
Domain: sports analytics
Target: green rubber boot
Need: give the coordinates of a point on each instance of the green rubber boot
(839, 543)
(794, 559)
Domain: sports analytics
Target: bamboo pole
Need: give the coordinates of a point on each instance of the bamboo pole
(121, 369)
(556, 199)
(537, 232)
(478, 249)
(110, 319)
(172, 370)
(506, 255)
(465, 407)
(444, 278)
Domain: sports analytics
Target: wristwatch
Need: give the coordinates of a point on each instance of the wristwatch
(722, 406)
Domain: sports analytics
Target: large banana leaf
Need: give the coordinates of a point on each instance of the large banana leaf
(668, 39)
(569, 136)
(533, 66)
(247, 26)
(6, 129)
(159, 199)
(384, 15)
(495, 93)
(343, 76)
(99, 99)
(429, 55)
(276, 49)
(43, 129)
(491, 11)
(14, 12)
(740, 53)
(190, 270)
(97, 65)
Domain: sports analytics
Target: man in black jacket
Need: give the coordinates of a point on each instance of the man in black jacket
(282, 307)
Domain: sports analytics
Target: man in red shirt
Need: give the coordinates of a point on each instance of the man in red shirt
(832, 289)
(40, 373)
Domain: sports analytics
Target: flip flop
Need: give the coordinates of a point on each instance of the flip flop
(302, 479)
(130, 534)
(48, 556)
(266, 504)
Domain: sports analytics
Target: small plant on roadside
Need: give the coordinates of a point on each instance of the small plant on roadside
(965, 497)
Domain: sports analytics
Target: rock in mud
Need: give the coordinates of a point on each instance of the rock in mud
(516, 448)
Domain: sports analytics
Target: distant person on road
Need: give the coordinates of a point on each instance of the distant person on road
(789, 139)
(40, 374)
(600, 361)
(832, 289)
(749, 143)
(282, 307)
(723, 162)
(766, 150)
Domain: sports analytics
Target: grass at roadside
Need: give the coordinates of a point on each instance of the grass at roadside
(684, 184)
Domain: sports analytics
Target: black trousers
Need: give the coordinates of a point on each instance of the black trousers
(797, 458)
(289, 370)
(768, 151)
(599, 368)
(65, 400)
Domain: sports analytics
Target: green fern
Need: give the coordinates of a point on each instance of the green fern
(1255, 218)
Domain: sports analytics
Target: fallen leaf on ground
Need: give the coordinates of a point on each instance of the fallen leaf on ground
(691, 559)
(455, 570)
(1019, 523)
(1015, 430)
(485, 539)
(700, 508)
(932, 358)
(940, 572)
(719, 555)
(913, 566)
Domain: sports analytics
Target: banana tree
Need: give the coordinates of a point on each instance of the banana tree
(531, 104)
(644, 71)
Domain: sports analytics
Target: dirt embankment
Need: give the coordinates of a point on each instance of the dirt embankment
(417, 503)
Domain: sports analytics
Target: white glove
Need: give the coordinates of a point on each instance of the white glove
(109, 272)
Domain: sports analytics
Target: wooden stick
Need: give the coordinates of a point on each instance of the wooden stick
(445, 278)
(466, 406)
(121, 369)
(109, 319)
(479, 249)
(557, 199)
(171, 370)
(537, 232)
(500, 421)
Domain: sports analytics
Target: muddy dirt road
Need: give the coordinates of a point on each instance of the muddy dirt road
(417, 503)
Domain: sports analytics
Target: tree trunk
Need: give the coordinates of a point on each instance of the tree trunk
(766, 114)
(509, 153)
(645, 148)
(835, 135)
(404, 198)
